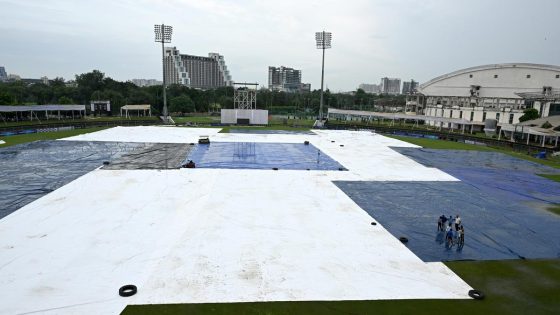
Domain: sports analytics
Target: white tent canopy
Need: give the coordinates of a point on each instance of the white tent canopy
(138, 108)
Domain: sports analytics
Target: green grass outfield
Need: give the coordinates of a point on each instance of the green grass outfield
(510, 286)
(18, 139)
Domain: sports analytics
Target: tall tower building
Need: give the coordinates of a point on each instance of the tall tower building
(284, 79)
(196, 71)
(390, 86)
(409, 87)
(3, 74)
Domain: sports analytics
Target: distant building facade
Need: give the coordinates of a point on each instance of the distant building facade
(146, 82)
(409, 87)
(3, 74)
(13, 77)
(391, 86)
(286, 79)
(196, 71)
(370, 88)
(497, 91)
(305, 88)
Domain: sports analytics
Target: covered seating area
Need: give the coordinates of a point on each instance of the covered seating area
(439, 122)
(532, 131)
(141, 110)
(15, 113)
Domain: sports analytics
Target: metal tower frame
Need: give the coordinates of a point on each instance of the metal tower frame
(245, 95)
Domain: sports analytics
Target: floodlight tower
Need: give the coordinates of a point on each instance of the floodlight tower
(323, 40)
(163, 35)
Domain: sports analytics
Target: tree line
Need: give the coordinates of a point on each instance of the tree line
(95, 85)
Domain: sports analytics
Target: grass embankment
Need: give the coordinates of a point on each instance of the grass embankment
(18, 139)
(510, 286)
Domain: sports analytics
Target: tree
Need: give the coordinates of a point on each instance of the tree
(6, 98)
(89, 82)
(65, 100)
(529, 114)
(138, 97)
(181, 104)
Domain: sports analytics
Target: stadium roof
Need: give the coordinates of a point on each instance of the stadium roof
(490, 67)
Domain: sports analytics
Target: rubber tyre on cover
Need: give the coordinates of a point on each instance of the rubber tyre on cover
(403, 239)
(128, 290)
(477, 295)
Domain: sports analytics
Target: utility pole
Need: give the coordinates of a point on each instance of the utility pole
(323, 40)
(163, 35)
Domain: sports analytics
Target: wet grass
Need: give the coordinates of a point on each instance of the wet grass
(18, 139)
(269, 127)
(441, 144)
(510, 286)
(554, 209)
(554, 177)
(197, 119)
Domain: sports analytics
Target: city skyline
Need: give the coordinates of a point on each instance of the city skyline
(371, 39)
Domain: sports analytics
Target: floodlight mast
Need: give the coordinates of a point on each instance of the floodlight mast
(163, 35)
(323, 40)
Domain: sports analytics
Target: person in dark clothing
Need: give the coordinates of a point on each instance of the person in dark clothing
(190, 164)
(441, 222)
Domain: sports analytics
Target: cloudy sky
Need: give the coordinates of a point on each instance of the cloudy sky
(371, 38)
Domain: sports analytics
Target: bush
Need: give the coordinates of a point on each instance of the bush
(529, 114)
(546, 125)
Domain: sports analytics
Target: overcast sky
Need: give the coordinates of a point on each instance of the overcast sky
(371, 38)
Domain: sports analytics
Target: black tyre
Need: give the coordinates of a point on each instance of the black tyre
(477, 295)
(403, 239)
(128, 290)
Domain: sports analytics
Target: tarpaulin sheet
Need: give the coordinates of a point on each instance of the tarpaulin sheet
(29, 171)
(251, 155)
(450, 159)
(500, 199)
(495, 227)
(271, 132)
(155, 156)
(496, 173)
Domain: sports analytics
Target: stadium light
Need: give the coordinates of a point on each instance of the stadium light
(323, 40)
(163, 35)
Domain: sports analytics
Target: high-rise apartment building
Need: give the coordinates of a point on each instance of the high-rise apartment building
(390, 86)
(409, 87)
(196, 71)
(286, 80)
(3, 74)
(146, 82)
(370, 88)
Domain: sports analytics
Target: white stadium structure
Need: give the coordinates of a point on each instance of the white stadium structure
(498, 91)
